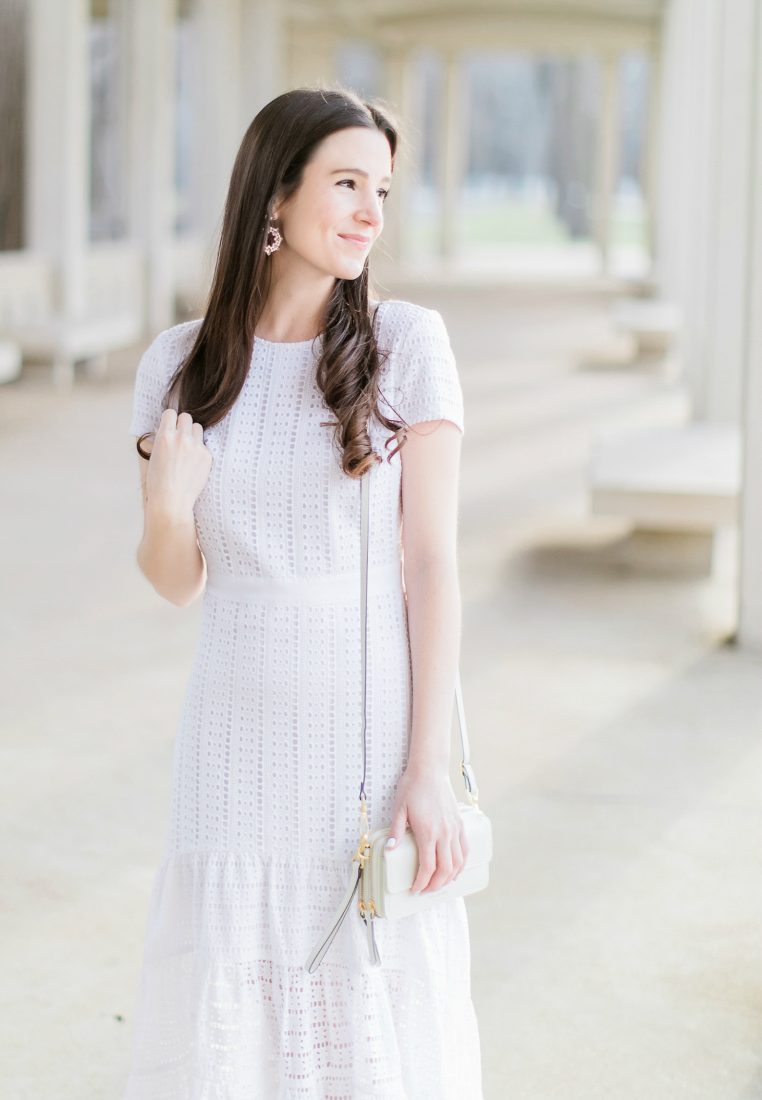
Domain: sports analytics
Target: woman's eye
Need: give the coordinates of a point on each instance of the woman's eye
(381, 190)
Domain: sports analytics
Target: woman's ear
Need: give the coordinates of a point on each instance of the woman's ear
(277, 207)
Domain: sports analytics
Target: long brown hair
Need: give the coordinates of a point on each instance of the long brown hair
(270, 164)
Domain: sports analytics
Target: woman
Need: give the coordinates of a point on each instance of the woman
(292, 387)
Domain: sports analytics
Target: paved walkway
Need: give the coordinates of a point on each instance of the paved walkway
(618, 952)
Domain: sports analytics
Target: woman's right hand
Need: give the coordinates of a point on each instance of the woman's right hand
(179, 466)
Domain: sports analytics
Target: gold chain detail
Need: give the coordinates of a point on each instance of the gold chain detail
(363, 847)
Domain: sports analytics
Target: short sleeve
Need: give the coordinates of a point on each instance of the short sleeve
(426, 384)
(151, 381)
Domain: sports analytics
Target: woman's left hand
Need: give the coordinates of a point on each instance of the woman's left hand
(426, 802)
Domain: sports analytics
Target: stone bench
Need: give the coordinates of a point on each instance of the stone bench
(64, 343)
(31, 317)
(677, 485)
(653, 324)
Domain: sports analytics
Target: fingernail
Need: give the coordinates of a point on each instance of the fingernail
(390, 841)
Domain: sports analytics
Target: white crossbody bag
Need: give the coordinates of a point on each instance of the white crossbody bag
(383, 876)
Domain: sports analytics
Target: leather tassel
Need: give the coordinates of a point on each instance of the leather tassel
(375, 958)
(316, 956)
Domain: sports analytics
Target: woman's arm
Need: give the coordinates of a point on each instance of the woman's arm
(169, 555)
(430, 471)
(425, 798)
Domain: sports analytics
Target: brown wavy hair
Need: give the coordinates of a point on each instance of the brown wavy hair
(269, 164)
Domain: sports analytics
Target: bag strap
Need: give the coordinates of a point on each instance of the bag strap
(467, 771)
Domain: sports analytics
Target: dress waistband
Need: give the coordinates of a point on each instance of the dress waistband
(321, 588)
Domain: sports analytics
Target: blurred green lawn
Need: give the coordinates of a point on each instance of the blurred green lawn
(506, 221)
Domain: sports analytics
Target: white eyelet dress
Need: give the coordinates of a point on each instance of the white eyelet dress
(267, 763)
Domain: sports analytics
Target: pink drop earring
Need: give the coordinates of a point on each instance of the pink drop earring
(276, 242)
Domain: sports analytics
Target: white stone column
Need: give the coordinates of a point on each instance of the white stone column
(152, 152)
(608, 155)
(57, 205)
(749, 634)
(263, 66)
(452, 152)
(650, 161)
(400, 80)
(704, 193)
(728, 258)
(216, 109)
(710, 234)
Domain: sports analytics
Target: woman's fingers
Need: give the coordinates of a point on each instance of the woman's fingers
(444, 867)
(180, 462)
(168, 419)
(435, 866)
(440, 861)
(171, 418)
(426, 864)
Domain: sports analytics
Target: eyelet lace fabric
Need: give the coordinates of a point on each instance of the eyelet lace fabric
(267, 762)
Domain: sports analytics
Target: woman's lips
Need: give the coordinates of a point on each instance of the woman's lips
(360, 242)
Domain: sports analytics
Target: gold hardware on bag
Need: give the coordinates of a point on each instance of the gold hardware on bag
(363, 846)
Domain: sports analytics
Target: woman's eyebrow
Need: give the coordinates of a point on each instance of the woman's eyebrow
(359, 172)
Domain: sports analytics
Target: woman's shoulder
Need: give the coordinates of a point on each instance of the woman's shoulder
(156, 367)
(421, 380)
(168, 347)
(176, 337)
(397, 317)
(163, 355)
(405, 327)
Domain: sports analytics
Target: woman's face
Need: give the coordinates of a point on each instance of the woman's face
(334, 203)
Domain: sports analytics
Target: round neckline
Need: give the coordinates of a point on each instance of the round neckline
(286, 343)
(294, 343)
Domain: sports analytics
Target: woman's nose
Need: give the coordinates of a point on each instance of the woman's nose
(375, 212)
